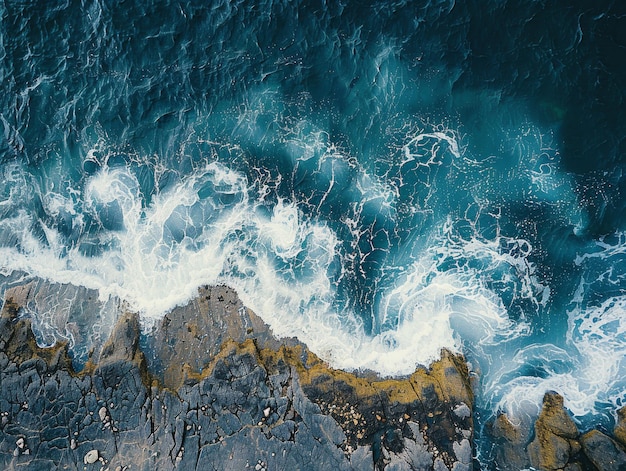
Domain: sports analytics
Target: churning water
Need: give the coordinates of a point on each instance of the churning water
(379, 179)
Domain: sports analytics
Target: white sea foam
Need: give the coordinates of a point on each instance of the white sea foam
(456, 287)
(206, 229)
(589, 373)
(590, 369)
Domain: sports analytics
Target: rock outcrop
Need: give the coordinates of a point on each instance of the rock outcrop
(510, 441)
(603, 452)
(555, 443)
(213, 389)
(556, 436)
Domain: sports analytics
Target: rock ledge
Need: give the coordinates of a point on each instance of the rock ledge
(216, 390)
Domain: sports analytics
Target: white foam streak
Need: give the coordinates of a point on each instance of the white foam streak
(432, 154)
(591, 371)
(599, 334)
(205, 230)
(523, 395)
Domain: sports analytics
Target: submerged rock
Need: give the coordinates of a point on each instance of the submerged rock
(217, 391)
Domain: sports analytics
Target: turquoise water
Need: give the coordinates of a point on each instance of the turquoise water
(379, 179)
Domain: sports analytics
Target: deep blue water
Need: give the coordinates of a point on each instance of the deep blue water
(380, 179)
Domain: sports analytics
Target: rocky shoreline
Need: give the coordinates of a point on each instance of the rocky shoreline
(554, 442)
(218, 391)
(213, 389)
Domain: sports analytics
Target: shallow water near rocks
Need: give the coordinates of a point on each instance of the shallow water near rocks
(381, 181)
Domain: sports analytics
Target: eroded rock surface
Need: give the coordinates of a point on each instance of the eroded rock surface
(603, 451)
(218, 391)
(555, 443)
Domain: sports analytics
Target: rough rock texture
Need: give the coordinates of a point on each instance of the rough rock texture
(556, 443)
(190, 336)
(620, 427)
(603, 452)
(510, 443)
(216, 391)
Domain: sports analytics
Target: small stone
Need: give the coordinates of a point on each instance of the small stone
(73, 444)
(20, 443)
(462, 411)
(103, 413)
(91, 457)
(266, 412)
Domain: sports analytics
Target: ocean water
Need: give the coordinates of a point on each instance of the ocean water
(380, 179)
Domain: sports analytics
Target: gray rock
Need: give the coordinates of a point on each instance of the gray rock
(91, 457)
(573, 467)
(463, 451)
(239, 406)
(414, 454)
(463, 411)
(603, 451)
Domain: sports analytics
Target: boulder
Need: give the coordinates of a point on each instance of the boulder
(511, 440)
(555, 444)
(603, 451)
